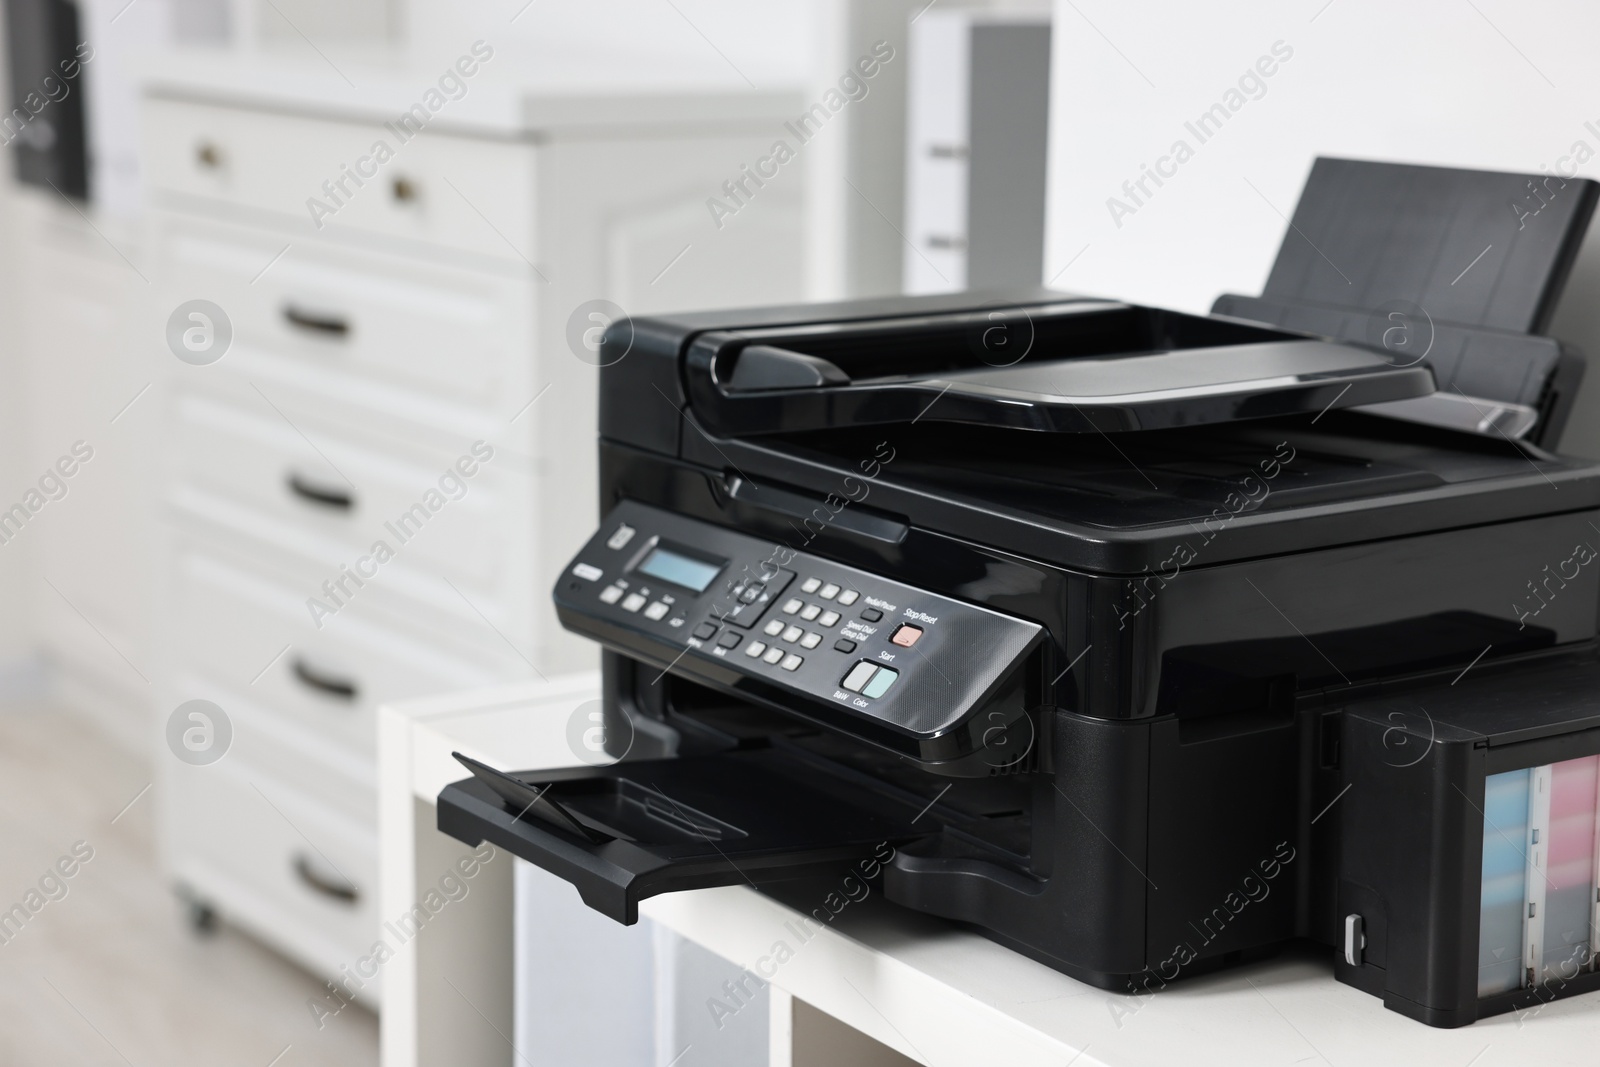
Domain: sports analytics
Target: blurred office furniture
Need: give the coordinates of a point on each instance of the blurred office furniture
(43, 121)
(367, 495)
(977, 119)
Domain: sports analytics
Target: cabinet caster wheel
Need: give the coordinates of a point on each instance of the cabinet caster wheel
(202, 917)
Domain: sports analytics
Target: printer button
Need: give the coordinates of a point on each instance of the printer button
(792, 605)
(730, 639)
(871, 614)
(848, 597)
(792, 662)
(811, 585)
(844, 644)
(905, 635)
(633, 603)
(880, 682)
(754, 649)
(858, 676)
(705, 630)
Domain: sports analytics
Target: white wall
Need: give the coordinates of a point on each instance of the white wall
(1424, 81)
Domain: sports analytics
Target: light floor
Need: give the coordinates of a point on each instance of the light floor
(110, 973)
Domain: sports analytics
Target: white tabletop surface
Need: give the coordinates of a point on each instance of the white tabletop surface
(943, 994)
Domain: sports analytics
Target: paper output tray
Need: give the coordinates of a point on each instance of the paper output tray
(659, 826)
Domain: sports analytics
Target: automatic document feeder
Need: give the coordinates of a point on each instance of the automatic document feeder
(1146, 641)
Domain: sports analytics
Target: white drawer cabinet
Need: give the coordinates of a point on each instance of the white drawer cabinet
(409, 337)
(448, 331)
(286, 867)
(215, 156)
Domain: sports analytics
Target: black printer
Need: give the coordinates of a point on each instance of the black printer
(1146, 641)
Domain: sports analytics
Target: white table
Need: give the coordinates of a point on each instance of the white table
(878, 975)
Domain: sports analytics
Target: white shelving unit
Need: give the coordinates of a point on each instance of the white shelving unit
(364, 498)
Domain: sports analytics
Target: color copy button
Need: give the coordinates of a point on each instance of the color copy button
(906, 635)
(705, 630)
(880, 682)
(858, 676)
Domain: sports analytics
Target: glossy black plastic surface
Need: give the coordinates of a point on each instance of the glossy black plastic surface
(1076, 366)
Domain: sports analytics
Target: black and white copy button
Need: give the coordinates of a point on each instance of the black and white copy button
(858, 676)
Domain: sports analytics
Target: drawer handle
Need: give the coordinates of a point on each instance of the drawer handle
(324, 683)
(316, 322)
(319, 494)
(332, 888)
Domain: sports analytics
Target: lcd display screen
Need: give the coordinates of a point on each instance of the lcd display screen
(679, 569)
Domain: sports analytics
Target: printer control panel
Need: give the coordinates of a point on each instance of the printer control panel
(710, 599)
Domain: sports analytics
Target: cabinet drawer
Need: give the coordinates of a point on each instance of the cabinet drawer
(467, 193)
(465, 527)
(453, 334)
(250, 634)
(274, 860)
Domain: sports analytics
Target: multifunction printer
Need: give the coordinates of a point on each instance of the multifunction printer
(1142, 642)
